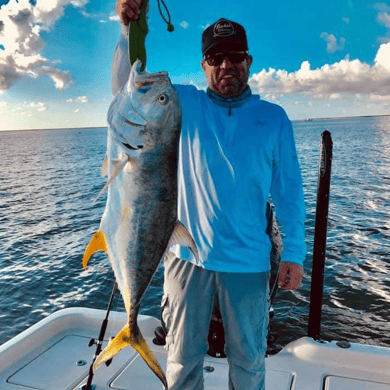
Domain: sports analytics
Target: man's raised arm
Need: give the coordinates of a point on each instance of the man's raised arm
(127, 11)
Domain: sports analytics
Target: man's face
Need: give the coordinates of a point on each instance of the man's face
(229, 78)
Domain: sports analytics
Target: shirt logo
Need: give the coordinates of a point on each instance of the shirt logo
(223, 29)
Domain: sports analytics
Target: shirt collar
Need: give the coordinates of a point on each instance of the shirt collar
(233, 102)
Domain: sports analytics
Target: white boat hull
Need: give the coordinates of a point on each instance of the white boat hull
(54, 355)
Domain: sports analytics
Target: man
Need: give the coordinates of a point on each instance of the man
(235, 150)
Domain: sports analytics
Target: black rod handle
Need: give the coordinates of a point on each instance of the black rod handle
(320, 231)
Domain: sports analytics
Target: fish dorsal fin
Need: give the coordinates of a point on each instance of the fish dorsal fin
(104, 169)
(118, 166)
(181, 236)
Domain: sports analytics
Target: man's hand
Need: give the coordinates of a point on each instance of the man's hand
(290, 276)
(128, 10)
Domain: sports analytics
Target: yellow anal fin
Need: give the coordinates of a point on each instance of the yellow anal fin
(124, 339)
(97, 243)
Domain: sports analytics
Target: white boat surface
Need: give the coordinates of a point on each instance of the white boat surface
(54, 354)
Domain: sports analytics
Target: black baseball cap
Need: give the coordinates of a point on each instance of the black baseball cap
(224, 34)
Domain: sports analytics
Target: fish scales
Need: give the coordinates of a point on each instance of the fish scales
(140, 223)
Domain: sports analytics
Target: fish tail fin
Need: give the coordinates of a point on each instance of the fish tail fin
(97, 243)
(124, 339)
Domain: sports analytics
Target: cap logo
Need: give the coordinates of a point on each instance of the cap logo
(223, 29)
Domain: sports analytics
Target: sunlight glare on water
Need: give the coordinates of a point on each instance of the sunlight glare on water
(49, 180)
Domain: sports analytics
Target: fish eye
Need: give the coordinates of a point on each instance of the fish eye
(163, 98)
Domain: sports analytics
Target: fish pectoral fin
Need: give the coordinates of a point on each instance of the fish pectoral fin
(104, 169)
(118, 165)
(182, 236)
(97, 243)
(124, 339)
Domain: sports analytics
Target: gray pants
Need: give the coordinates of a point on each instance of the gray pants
(188, 301)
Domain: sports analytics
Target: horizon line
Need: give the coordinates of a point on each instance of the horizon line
(295, 120)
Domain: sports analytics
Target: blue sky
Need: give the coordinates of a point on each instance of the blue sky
(316, 59)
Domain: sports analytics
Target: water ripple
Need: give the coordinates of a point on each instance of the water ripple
(47, 216)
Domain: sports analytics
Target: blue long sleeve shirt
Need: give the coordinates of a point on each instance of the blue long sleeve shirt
(234, 154)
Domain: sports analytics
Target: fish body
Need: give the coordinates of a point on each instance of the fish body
(140, 223)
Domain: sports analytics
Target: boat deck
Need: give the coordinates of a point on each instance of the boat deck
(54, 355)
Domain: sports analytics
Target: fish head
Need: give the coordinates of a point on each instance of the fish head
(147, 114)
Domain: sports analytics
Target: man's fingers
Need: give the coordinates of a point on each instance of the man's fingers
(282, 276)
(128, 14)
(128, 10)
(290, 276)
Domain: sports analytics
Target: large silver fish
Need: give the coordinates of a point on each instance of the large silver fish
(140, 223)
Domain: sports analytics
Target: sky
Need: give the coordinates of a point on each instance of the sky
(315, 58)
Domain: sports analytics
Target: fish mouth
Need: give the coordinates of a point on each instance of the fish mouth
(133, 124)
(128, 146)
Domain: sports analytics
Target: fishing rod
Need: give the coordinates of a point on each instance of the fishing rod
(99, 342)
(320, 231)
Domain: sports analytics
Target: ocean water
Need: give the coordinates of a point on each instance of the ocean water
(49, 179)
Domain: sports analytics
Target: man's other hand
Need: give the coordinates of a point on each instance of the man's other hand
(290, 276)
(128, 10)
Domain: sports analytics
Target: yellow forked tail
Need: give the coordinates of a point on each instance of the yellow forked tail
(124, 339)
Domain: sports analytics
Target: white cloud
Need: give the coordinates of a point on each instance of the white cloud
(82, 99)
(373, 96)
(343, 77)
(332, 44)
(79, 99)
(49, 11)
(100, 17)
(382, 59)
(114, 18)
(61, 79)
(184, 24)
(39, 106)
(21, 24)
(384, 18)
(381, 7)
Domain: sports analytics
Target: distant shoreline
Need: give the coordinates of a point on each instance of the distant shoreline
(59, 128)
(339, 117)
(295, 120)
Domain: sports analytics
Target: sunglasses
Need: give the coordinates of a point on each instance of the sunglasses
(233, 57)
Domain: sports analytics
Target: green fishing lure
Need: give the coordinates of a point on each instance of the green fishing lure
(138, 30)
(137, 35)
